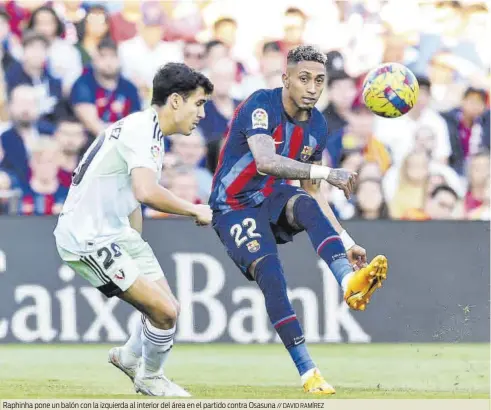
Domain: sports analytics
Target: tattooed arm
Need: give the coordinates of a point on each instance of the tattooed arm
(268, 162)
(343, 179)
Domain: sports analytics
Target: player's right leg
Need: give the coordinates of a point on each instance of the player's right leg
(303, 212)
(128, 357)
(268, 274)
(247, 236)
(115, 273)
(159, 320)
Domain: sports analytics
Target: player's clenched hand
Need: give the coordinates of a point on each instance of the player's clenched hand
(343, 179)
(357, 256)
(202, 214)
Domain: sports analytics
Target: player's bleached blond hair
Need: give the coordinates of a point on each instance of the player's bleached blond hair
(305, 53)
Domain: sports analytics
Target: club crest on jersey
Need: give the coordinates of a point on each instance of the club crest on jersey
(253, 246)
(259, 118)
(306, 153)
(120, 275)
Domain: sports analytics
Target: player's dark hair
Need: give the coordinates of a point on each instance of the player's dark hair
(443, 188)
(305, 53)
(60, 27)
(178, 78)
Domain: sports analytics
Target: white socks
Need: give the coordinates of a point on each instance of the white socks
(156, 347)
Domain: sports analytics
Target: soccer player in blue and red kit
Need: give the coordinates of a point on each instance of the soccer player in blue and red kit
(278, 135)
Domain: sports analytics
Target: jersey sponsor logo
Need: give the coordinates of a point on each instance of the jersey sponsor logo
(259, 118)
(306, 153)
(253, 246)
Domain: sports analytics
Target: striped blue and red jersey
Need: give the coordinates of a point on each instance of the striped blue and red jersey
(236, 183)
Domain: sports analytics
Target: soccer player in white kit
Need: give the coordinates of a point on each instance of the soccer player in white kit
(99, 229)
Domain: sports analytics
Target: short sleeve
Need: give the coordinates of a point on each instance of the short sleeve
(137, 144)
(81, 92)
(321, 126)
(257, 115)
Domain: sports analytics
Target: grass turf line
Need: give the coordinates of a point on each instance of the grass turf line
(254, 371)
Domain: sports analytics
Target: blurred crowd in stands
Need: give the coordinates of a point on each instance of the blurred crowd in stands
(70, 68)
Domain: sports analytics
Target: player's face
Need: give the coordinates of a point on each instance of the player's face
(189, 112)
(305, 83)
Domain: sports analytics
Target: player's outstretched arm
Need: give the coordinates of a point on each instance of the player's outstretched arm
(268, 162)
(149, 192)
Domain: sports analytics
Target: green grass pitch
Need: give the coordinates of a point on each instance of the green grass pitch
(254, 371)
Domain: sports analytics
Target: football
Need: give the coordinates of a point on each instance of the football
(390, 90)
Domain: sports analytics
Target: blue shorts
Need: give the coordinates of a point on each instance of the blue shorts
(251, 233)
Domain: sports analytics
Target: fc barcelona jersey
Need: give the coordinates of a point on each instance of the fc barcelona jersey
(236, 183)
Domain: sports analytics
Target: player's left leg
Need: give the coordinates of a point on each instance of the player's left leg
(268, 274)
(304, 213)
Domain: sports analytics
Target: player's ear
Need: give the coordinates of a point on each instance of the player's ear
(285, 78)
(175, 100)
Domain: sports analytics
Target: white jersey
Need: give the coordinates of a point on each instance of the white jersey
(100, 197)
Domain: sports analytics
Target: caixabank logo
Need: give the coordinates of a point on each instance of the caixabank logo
(59, 306)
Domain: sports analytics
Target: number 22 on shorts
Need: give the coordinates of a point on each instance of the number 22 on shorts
(236, 231)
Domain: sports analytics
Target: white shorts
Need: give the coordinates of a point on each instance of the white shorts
(113, 267)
